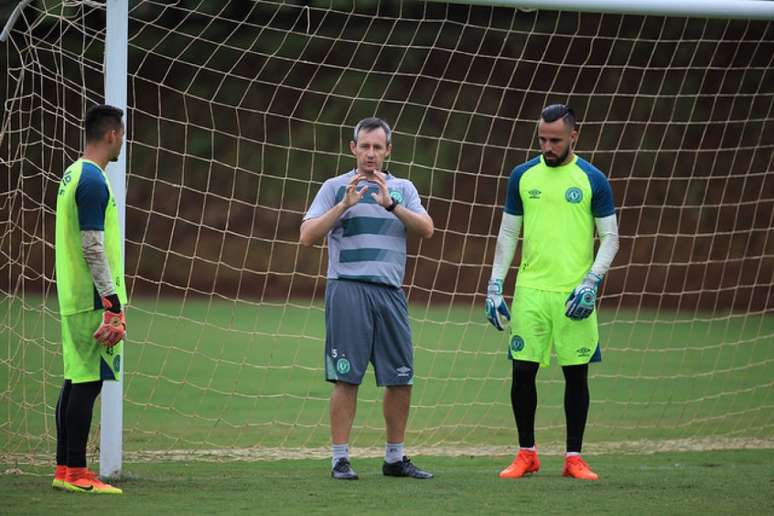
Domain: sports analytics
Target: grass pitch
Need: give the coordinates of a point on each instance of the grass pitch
(206, 374)
(234, 376)
(724, 482)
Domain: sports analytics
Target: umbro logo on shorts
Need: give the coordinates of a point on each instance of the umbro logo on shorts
(583, 352)
(403, 371)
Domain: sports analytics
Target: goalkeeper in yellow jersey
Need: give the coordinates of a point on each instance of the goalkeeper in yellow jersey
(91, 291)
(559, 199)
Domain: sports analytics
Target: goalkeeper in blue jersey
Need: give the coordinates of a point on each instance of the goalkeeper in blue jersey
(91, 292)
(558, 198)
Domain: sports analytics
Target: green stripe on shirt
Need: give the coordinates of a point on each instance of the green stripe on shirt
(368, 279)
(371, 255)
(372, 226)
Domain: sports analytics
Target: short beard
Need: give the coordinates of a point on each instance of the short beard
(558, 162)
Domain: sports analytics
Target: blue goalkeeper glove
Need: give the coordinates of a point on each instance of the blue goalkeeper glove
(495, 307)
(583, 298)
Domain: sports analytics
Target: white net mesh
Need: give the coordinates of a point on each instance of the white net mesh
(239, 110)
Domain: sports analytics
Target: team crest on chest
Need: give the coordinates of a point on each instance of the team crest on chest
(395, 194)
(573, 195)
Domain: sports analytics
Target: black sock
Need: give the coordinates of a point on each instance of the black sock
(576, 404)
(524, 400)
(80, 407)
(61, 429)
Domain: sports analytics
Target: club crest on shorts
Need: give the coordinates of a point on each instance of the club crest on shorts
(117, 363)
(517, 344)
(573, 195)
(342, 366)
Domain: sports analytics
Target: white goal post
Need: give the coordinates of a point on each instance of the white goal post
(116, 80)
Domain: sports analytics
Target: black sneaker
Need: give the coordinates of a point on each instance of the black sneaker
(404, 468)
(343, 470)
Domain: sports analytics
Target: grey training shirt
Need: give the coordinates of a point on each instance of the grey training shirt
(367, 243)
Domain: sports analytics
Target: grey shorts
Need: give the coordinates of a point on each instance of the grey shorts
(367, 322)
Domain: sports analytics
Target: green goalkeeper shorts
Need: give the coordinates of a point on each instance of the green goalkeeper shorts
(85, 359)
(538, 319)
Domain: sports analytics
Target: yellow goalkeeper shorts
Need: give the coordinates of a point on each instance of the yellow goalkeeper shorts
(537, 320)
(85, 359)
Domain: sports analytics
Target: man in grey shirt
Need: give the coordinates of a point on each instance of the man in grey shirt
(366, 214)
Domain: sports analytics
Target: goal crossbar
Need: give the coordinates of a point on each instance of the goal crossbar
(734, 9)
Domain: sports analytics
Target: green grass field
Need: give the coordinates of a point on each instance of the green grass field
(209, 378)
(202, 375)
(724, 482)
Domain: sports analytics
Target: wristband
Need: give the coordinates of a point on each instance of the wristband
(111, 303)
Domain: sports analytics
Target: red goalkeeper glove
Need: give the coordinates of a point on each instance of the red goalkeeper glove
(113, 327)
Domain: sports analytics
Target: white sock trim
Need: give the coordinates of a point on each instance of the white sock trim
(393, 452)
(339, 451)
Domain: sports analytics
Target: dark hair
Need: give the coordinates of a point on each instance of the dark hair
(370, 124)
(555, 112)
(100, 119)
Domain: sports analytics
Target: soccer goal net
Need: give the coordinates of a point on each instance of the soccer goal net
(239, 110)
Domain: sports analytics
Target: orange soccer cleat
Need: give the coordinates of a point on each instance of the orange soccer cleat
(81, 480)
(525, 463)
(59, 477)
(576, 467)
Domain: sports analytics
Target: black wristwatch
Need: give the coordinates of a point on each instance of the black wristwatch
(392, 206)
